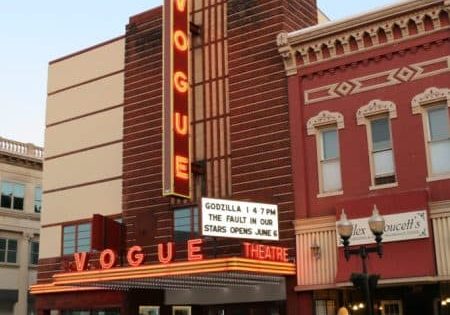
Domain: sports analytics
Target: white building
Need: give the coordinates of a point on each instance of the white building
(20, 207)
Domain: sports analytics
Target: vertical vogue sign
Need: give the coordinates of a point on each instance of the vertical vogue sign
(176, 155)
(239, 219)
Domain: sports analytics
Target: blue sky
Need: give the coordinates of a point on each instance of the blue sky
(35, 32)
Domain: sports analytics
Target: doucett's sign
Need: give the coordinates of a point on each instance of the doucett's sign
(176, 155)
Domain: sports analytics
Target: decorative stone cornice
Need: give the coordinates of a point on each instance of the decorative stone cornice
(22, 154)
(439, 209)
(430, 95)
(287, 54)
(375, 107)
(322, 119)
(309, 225)
(382, 27)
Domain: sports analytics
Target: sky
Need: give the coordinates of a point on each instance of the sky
(36, 32)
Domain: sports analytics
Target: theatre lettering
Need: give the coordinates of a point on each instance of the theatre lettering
(166, 254)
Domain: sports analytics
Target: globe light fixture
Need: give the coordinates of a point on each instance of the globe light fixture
(367, 283)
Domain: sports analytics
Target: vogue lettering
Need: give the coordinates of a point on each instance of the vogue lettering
(176, 155)
(135, 255)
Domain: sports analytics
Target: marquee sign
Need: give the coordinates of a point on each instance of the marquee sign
(166, 254)
(239, 219)
(176, 155)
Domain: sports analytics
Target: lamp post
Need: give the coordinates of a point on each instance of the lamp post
(345, 230)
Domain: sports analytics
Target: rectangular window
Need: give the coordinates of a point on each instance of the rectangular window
(8, 251)
(34, 252)
(439, 140)
(391, 307)
(382, 153)
(181, 310)
(324, 307)
(13, 195)
(330, 162)
(148, 310)
(186, 224)
(76, 238)
(37, 199)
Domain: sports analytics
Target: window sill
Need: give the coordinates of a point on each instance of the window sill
(384, 186)
(434, 178)
(12, 209)
(9, 265)
(330, 194)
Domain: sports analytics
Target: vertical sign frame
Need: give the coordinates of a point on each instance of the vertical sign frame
(176, 166)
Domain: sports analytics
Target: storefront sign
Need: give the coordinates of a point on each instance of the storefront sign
(239, 219)
(176, 155)
(399, 227)
(265, 252)
(166, 253)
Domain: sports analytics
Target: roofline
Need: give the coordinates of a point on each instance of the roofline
(361, 19)
(87, 49)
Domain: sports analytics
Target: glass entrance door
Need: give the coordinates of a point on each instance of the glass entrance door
(181, 310)
(148, 310)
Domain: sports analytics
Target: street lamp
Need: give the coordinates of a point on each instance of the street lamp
(345, 230)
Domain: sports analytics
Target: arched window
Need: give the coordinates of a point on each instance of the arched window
(325, 127)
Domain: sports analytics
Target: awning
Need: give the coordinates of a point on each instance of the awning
(9, 296)
(211, 273)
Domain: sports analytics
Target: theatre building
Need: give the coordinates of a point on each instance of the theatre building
(369, 101)
(191, 102)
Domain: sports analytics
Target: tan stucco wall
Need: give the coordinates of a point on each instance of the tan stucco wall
(83, 133)
(9, 278)
(80, 203)
(51, 241)
(83, 140)
(86, 66)
(86, 98)
(84, 167)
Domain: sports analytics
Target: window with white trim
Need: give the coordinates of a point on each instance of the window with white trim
(325, 126)
(438, 139)
(330, 164)
(37, 199)
(376, 116)
(8, 251)
(13, 195)
(34, 252)
(433, 104)
(382, 154)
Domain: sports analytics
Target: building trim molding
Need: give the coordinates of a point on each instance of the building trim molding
(391, 77)
(430, 95)
(361, 33)
(322, 119)
(325, 223)
(375, 107)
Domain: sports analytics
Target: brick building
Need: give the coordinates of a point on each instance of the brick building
(104, 146)
(368, 100)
